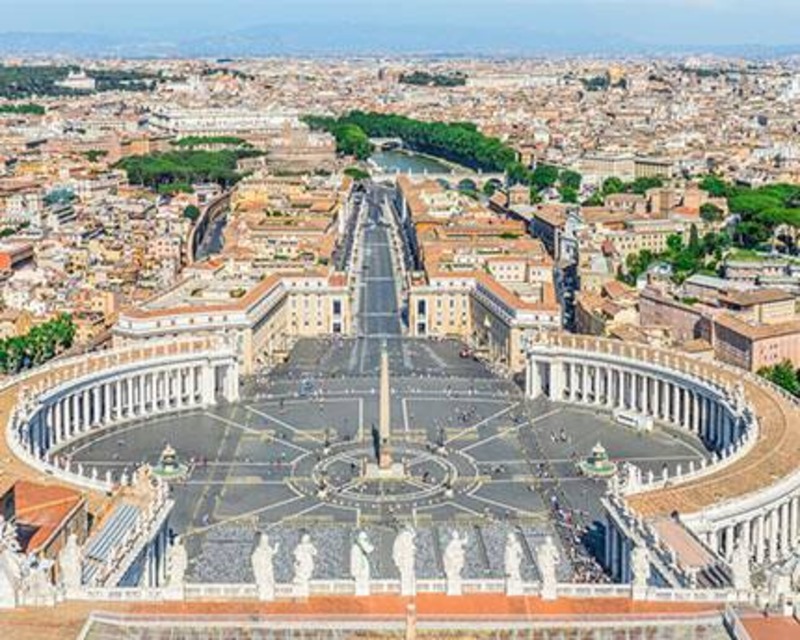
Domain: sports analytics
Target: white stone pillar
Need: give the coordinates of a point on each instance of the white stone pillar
(585, 383)
(140, 394)
(570, 367)
(745, 535)
(118, 398)
(97, 397)
(685, 415)
(556, 380)
(180, 386)
(57, 422)
(208, 385)
(85, 415)
(106, 414)
(784, 528)
(729, 538)
(676, 404)
(74, 414)
(793, 506)
(761, 535)
(773, 535)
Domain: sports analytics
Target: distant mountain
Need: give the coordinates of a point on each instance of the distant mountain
(355, 39)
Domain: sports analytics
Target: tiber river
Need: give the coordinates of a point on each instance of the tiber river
(392, 161)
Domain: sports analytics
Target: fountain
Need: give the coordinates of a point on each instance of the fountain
(169, 466)
(597, 465)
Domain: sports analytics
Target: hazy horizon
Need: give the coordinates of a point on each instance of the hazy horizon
(436, 25)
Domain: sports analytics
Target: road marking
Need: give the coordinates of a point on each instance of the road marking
(475, 427)
(503, 432)
(260, 434)
(296, 514)
(434, 356)
(285, 425)
(243, 516)
(503, 505)
(405, 416)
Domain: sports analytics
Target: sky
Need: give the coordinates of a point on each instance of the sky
(448, 22)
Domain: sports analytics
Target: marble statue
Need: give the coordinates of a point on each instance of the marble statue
(454, 562)
(10, 565)
(547, 559)
(512, 563)
(403, 553)
(640, 567)
(70, 564)
(178, 563)
(262, 560)
(359, 562)
(304, 554)
(740, 568)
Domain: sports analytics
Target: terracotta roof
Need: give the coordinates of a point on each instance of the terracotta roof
(43, 508)
(757, 332)
(754, 297)
(65, 620)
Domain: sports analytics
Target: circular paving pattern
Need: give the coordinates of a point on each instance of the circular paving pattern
(345, 474)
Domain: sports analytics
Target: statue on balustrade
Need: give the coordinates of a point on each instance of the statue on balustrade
(70, 567)
(740, 568)
(547, 559)
(262, 560)
(403, 554)
(11, 562)
(359, 562)
(640, 566)
(178, 563)
(304, 554)
(453, 560)
(513, 565)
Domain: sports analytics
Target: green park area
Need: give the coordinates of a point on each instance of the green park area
(176, 171)
(42, 343)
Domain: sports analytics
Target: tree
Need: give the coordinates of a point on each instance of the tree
(695, 248)
(643, 185)
(544, 177)
(595, 200)
(570, 179)
(783, 375)
(458, 142)
(710, 212)
(613, 185)
(715, 187)
(518, 173)
(191, 212)
(568, 195)
(356, 173)
(675, 243)
(489, 188)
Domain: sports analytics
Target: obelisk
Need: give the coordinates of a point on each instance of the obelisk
(384, 427)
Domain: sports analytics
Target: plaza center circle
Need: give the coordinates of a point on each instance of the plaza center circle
(425, 475)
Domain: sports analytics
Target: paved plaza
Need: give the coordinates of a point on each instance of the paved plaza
(292, 456)
(488, 461)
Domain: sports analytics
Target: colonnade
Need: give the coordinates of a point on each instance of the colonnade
(616, 386)
(769, 533)
(121, 394)
(646, 382)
